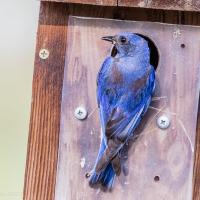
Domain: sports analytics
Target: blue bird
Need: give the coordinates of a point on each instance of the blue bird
(125, 85)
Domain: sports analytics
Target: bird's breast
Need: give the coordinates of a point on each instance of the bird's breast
(116, 75)
(139, 82)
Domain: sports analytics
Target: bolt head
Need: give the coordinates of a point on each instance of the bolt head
(80, 113)
(44, 54)
(163, 122)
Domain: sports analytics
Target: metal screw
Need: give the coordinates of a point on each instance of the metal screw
(44, 54)
(176, 33)
(80, 113)
(163, 122)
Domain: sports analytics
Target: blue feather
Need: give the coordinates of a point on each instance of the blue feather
(125, 85)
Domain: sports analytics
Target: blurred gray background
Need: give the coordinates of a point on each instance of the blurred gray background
(18, 21)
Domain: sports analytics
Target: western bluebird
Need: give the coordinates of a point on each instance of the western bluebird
(125, 85)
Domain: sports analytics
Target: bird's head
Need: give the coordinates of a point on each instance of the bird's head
(128, 44)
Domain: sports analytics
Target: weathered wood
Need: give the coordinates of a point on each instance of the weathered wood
(93, 2)
(183, 5)
(160, 162)
(45, 111)
(191, 5)
(44, 128)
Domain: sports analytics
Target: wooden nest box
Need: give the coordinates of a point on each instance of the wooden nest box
(163, 163)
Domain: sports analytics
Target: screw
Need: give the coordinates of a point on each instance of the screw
(80, 113)
(163, 122)
(44, 54)
(176, 33)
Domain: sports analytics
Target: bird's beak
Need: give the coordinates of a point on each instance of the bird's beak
(108, 38)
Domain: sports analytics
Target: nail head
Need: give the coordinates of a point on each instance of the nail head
(44, 54)
(80, 113)
(163, 122)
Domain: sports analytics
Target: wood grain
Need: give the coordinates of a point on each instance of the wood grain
(44, 128)
(93, 2)
(167, 154)
(45, 110)
(47, 79)
(191, 5)
(183, 5)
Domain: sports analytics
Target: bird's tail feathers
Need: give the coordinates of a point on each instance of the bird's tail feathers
(105, 178)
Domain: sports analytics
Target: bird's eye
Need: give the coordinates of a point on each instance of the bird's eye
(123, 40)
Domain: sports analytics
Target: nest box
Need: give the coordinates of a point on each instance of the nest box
(164, 161)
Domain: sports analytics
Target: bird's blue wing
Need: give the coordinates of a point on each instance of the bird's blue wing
(119, 119)
(118, 122)
(100, 78)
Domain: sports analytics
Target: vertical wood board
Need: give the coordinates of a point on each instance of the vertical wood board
(169, 153)
(45, 106)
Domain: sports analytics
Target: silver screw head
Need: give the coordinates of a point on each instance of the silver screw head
(80, 113)
(163, 122)
(44, 54)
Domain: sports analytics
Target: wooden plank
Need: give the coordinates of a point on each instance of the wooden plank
(191, 5)
(45, 110)
(44, 128)
(93, 2)
(167, 155)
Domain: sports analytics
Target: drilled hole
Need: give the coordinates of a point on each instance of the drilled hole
(182, 45)
(156, 178)
(87, 175)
